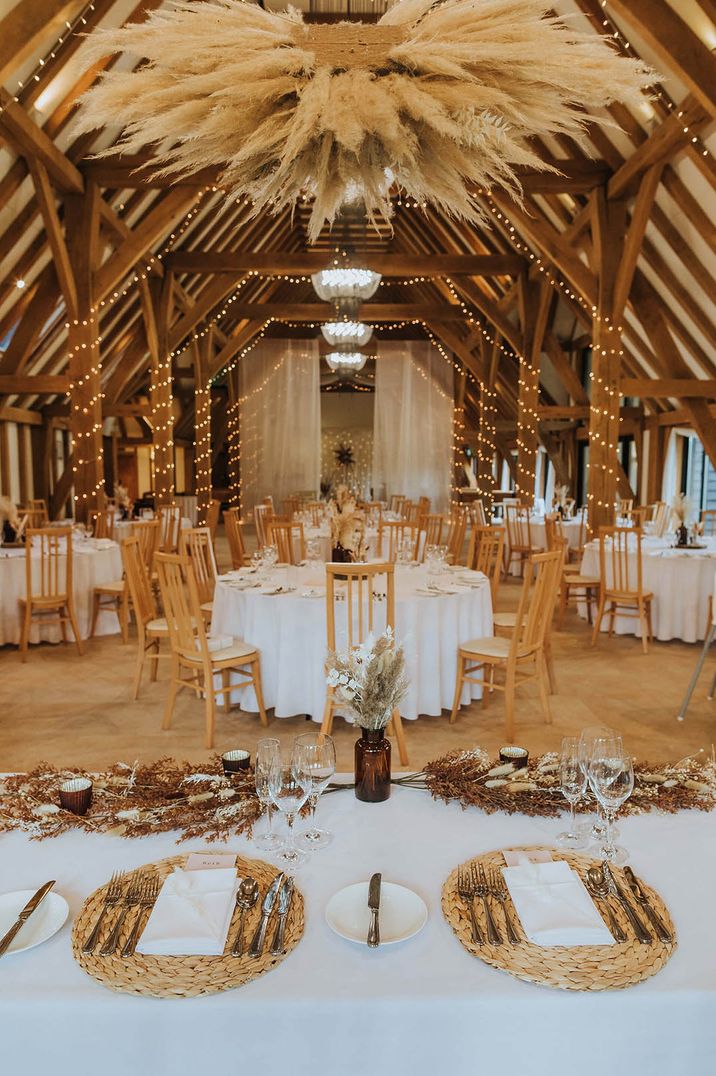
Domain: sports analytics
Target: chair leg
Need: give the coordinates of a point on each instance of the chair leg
(138, 669)
(612, 618)
(543, 680)
(123, 614)
(589, 598)
(256, 678)
(488, 674)
(327, 723)
(649, 621)
(226, 692)
(644, 628)
(563, 603)
(73, 621)
(154, 660)
(458, 689)
(598, 620)
(510, 704)
(549, 662)
(209, 707)
(400, 738)
(95, 612)
(171, 697)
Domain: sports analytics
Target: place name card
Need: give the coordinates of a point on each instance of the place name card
(198, 861)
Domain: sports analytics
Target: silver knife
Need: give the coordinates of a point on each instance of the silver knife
(374, 905)
(257, 942)
(284, 906)
(33, 903)
(640, 930)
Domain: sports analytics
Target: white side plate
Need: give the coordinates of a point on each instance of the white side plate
(402, 913)
(42, 924)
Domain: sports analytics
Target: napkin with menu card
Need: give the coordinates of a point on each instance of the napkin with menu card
(192, 914)
(553, 905)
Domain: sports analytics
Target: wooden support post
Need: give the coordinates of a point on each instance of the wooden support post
(655, 471)
(202, 421)
(534, 303)
(458, 435)
(234, 440)
(486, 445)
(162, 416)
(82, 237)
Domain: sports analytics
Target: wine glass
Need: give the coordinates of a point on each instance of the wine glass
(290, 785)
(317, 753)
(587, 740)
(611, 775)
(573, 779)
(270, 557)
(268, 758)
(257, 559)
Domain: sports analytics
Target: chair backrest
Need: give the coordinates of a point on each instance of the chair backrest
(433, 527)
(196, 543)
(456, 534)
(537, 602)
(392, 535)
(182, 608)
(477, 514)
(411, 511)
(38, 508)
(373, 514)
(423, 506)
(291, 505)
(289, 541)
(708, 518)
(360, 602)
(102, 523)
(263, 513)
(661, 516)
(169, 517)
(554, 532)
(232, 526)
(396, 503)
(36, 517)
(48, 563)
(140, 591)
(519, 530)
(212, 517)
(146, 531)
(620, 566)
(487, 545)
(269, 501)
(316, 509)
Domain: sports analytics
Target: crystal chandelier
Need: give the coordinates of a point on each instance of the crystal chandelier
(346, 282)
(355, 333)
(346, 361)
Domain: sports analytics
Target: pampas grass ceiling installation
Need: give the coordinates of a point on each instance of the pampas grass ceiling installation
(436, 99)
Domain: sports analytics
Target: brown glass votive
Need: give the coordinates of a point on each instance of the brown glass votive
(235, 761)
(518, 756)
(76, 795)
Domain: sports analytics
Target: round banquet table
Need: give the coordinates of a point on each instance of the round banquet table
(680, 580)
(289, 630)
(93, 562)
(570, 527)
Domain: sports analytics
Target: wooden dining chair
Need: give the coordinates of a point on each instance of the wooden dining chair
(478, 659)
(291, 506)
(151, 628)
(196, 543)
(38, 507)
(263, 514)
(359, 607)
(396, 503)
(520, 543)
(196, 658)
(48, 584)
(393, 534)
(432, 526)
(235, 538)
(485, 553)
(620, 581)
(102, 523)
(212, 517)
(169, 517)
(455, 537)
(573, 585)
(708, 518)
(477, 514)
(111, 597)
(289, 541)
(146, 531)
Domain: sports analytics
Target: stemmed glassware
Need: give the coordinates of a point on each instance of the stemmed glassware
(590, 735)
(611, 775)
(317, 755)
(573, 779)
(268, 759)
(289, 785)
(270, 557)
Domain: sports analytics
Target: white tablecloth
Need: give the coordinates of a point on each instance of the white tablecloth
(290, 632)
(322, 537)
(420, 1008)
(681, 582)
(187, 503)
(90, 566)
(572, 529)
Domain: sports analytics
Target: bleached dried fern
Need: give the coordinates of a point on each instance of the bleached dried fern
(440, 99)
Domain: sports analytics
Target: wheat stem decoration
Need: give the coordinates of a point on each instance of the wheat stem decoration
(440, 99)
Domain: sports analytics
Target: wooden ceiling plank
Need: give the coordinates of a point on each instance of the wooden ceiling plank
(399, 265)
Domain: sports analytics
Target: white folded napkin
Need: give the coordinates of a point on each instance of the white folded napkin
(553, 905)
(192, 914)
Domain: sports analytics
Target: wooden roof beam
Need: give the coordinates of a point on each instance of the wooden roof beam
(388, 265)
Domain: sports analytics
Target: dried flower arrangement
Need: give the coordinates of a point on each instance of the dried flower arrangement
(369, 679)
(561, 496)
(347, 524)
(134, 801)
(680, 507)
(439, 100)
(474, 780)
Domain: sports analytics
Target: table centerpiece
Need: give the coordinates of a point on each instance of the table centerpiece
(347, 528)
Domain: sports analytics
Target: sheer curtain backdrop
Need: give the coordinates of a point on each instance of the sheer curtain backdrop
(279, 421)
(412, 437)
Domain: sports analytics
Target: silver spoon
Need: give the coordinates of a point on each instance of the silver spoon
(246, 897)
(597, 886)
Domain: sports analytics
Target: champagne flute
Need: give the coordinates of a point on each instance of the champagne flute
(574, 783)
(611, 775)
(268, 758)
(289, 785)
(318, 754)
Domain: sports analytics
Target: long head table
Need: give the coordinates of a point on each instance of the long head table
(420, 1007)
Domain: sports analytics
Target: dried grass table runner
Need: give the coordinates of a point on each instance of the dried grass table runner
(583, 967)
(183, 976)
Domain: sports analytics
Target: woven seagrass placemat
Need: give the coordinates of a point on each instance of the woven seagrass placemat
(583, 967)
(182, 976)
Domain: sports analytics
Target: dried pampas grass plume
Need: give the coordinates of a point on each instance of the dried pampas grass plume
(438, 98)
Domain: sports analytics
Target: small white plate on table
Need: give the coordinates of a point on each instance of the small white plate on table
(42, 924)
(402, 913)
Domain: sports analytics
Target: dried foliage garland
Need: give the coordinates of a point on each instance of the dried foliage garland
(134, 801)
(475, 780)
(438, 98)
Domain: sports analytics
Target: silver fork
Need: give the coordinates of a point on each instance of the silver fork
(479, 883)
(129, 900)
(112, 898)
(499, 891)
(147, 896)
(466, 893)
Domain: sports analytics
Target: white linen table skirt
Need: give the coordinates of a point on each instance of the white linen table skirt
(414, 1009)
(90, 567)
(289, 630)
(681, 583)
